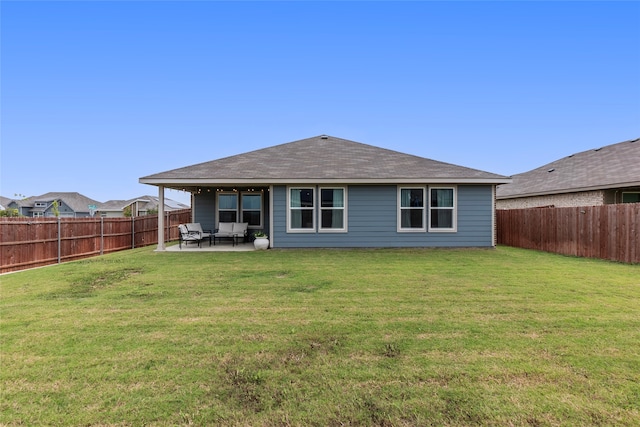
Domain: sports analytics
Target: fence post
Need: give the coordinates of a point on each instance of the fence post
(133, 232)
(101, 235)
(59, 241)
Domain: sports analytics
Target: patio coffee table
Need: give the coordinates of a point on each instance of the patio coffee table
(233, 237)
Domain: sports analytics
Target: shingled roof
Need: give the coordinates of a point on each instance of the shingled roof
(76, 201)
(151, 201)
(612, 166)
(321, 159)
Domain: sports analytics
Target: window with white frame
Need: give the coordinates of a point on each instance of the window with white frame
(442, 209)
(411, 209)
(332, 209)
(301, 209)
(631, 197)
(251, 204)
(227, 207)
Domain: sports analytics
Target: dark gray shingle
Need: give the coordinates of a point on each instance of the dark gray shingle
(323, 157)
(612, 166)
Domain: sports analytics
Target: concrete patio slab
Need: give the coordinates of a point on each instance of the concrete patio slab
(220, 247)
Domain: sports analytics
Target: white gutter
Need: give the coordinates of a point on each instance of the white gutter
(243, 181)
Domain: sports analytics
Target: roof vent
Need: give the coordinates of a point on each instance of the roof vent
(635, 140)
(551, 170)
(598, 149)
(324, 137)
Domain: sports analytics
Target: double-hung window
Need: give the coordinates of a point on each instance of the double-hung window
(301, 209)
(442, 209)
(332, 209)
(251, 204)
(412, 208)
(227, 207)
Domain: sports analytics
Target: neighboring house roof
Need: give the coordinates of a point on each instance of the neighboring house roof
(119, 205)
(75, 201)
(612, 166)
(113, 205)
(318, 160)
(4, 202)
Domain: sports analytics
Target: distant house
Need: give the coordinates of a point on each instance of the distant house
(4, 202)
(139, 206)
(605, 175)
(331, 192)
(68, 205)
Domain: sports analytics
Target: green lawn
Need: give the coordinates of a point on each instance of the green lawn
(322, 337)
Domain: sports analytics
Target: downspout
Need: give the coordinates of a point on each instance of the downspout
(161, 245)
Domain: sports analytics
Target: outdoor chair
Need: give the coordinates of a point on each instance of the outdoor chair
(195, 227)
(187, 236)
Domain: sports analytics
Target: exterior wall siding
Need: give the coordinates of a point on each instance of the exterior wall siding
(372, 221)
(204, 210)
(584, 198)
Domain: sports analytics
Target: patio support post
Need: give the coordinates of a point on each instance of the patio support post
(161, 245)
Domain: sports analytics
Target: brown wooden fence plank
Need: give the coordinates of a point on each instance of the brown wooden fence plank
(608, 232)
(33, 242)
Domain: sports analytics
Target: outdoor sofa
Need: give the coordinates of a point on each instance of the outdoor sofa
(231, 230)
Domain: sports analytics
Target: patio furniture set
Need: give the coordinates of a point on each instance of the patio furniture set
(193, 232)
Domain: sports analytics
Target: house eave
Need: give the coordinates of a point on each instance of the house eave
(570, 190)
(182, 183)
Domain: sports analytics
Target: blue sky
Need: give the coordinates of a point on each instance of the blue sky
(95, 95)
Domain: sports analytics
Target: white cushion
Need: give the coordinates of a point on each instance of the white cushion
(225, 227)
(185, 234)
(194, 226)
(240, 227)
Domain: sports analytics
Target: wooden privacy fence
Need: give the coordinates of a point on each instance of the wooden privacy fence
(34, 242)
(609, 232)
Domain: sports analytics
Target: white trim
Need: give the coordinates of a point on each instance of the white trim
(193, 207)
(454, 209)
(178, 183)
(494, 232)
(218, 210)
(313, 210)
(161, 244)
(399, 209)
(272, 233)
(345, 225)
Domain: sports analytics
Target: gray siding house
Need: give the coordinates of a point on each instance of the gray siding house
(331, 192)
(69, 205)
